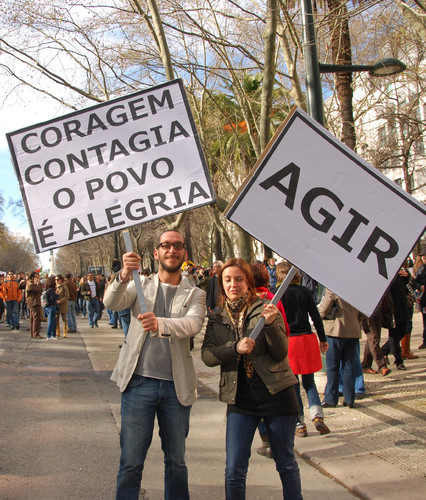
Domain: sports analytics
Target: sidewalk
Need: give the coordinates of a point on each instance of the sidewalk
(60, 428)
(377, 449)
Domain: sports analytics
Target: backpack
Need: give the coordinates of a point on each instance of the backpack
(44, 298)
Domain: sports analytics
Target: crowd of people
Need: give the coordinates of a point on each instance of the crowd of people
(260, 376)
(57, 300)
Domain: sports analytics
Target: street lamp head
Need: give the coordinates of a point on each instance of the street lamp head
(387, 67)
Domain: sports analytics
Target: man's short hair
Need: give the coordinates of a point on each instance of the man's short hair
(169, 231)
(68, 275)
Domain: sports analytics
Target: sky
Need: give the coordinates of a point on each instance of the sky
(20, 109)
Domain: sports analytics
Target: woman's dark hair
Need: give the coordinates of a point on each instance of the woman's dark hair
(260, 274)
(32, 275)
(50, 282)
(245, 268)
(60, 277)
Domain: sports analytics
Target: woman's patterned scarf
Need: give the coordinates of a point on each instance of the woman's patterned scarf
(237, 311)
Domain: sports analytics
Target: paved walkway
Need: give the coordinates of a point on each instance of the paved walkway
(57, 400)
(377, 449)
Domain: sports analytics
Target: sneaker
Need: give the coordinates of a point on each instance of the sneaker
(47, 338)
(54, 338)
(320, 426)
(301, 430)
(401, 367)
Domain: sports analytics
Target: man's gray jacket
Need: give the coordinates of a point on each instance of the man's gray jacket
(186, 320)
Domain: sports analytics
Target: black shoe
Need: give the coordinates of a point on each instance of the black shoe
(328, 405)
(96, 325)
(422, 346)
(349, 405)
(12, 328)
(113, 326)
(401, 367)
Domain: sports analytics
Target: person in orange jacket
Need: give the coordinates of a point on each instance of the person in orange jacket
(12, 296)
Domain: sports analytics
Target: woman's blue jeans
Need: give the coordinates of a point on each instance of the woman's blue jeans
(140, 402)
(51, 320)
(240, 431)
(314, 401)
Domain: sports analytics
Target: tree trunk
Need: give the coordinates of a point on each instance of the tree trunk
(342, 54)
(269, 35)
(245, 245)
(188, 241)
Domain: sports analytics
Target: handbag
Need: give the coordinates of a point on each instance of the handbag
(419, 296)
(411, 296)
(333, 311)
(388, 320)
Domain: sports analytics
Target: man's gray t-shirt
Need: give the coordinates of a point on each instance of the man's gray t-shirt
(155, 360)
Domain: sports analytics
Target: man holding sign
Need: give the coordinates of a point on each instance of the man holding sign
(155, 372)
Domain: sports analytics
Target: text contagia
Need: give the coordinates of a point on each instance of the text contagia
(111, 166)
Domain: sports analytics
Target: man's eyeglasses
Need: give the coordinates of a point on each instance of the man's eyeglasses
(167, 246)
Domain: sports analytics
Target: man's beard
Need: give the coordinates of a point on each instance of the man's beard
(169, 268)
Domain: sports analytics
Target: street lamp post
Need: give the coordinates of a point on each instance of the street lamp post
(313, 68)
(313, 80)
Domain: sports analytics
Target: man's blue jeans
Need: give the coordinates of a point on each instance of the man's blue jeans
(340, 350)
(240, 431)
(359, 376)
(72, 316)
(12, 311)
(93, 311)
(140, 402)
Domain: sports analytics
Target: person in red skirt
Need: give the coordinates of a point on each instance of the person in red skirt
(304, 352)
(261, 280)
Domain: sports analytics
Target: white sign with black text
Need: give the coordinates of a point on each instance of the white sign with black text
(323, 208)
(120, 163)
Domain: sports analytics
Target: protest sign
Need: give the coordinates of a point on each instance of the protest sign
(319, 205)
(120, 163)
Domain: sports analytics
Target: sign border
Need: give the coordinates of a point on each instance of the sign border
(10, 135)
(297, 113)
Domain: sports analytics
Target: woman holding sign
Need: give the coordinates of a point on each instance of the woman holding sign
(256, 379)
